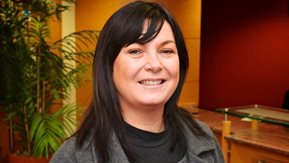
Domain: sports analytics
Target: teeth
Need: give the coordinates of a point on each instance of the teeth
(151, 82)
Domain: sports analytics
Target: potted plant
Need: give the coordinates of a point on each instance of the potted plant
(34, 75)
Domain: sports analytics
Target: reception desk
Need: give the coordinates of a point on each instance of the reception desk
(268, 143)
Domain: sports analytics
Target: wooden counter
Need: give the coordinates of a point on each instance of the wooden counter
(270, 143)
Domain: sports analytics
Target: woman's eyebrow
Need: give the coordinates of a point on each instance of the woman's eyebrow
(167, 42)
(161, 44)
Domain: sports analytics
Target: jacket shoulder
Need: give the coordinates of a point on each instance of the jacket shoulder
(68, 152)
(205, 127)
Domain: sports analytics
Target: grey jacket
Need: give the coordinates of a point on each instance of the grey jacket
(200, 150)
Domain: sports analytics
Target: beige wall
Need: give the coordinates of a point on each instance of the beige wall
(92, 14)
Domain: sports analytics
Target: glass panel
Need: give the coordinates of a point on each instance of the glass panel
(263, 113)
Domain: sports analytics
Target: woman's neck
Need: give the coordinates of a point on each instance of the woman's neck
(148, 119)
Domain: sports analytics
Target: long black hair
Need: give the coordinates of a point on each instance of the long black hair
(103, 117)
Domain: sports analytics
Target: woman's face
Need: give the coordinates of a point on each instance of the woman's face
(147, 75)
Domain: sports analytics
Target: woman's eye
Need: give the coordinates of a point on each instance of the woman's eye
(168, 51)
(134, 52)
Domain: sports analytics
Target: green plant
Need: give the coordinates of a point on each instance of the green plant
(34, 75)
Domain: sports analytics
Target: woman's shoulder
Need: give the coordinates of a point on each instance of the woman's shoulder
(69, 144)
(204, 127)
(69, 151)
(65, 152)
(196, 126)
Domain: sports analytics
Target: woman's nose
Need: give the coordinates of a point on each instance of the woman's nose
(153, 63)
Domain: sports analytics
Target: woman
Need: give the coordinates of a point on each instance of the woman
(139, 69)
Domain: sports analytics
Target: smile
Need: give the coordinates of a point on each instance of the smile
(151, 82)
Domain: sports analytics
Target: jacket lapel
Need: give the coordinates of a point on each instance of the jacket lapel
(116, 151)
